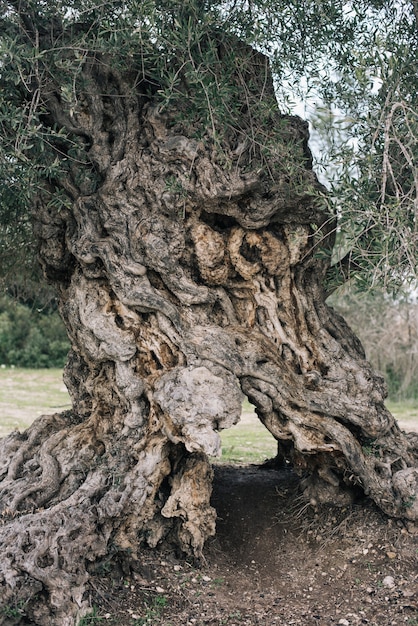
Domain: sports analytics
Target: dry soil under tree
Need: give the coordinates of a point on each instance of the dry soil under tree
(275, 561)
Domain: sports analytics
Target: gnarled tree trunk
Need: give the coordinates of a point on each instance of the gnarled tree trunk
(186, 276)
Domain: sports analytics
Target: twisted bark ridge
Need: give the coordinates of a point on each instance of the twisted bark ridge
(186, 276)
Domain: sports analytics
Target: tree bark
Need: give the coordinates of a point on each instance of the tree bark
(187, 276)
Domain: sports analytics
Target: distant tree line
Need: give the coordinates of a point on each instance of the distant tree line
(31, 331)
(388, 329)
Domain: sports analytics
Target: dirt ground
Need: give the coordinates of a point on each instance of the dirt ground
(274, 561)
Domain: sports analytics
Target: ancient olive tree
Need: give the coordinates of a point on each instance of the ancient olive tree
(181, 241)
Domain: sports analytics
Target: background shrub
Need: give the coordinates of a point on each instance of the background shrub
(31, 337)
(388, 330)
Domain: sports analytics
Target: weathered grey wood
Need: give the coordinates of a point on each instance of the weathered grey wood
(178, 298)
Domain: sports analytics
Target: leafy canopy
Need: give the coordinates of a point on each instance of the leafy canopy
(355, 61)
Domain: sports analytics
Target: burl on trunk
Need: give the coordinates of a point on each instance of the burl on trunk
(186, 271)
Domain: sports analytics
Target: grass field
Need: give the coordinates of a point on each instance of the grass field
(25, 394)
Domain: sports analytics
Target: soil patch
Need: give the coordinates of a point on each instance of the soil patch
(274, 561)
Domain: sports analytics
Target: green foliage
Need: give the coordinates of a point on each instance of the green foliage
(367, 131)
(371, 448)
(91, 619)
(355, 61)
(13, 613)
(153, 611)
(408, 504)
(168, 46)
(30, 337)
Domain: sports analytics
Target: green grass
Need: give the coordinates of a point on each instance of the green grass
(249, 441)
(405, 412)
(25, 394)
